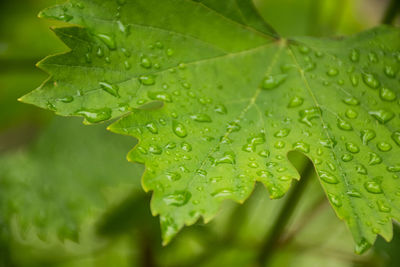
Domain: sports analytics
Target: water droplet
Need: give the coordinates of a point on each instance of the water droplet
(354, 80)
(264, 153)
(347, 157)
(354, 193)
(351, 113)
(145, 62)
(173, 176)
(307, 115)
(221, 109)
(352, 101)
(201, 117)
(328, 177)
(372, 57)
(147, 79)
(233, 127)
(360, 169)
(352, 148)
(383, 116)
(396, 137)
(279, 145)
(374, 159)
(367, 135)
(222, 193)
(170, 52)
(107, 40)
(95, 115)
(179, 129)
(162, 96)
(383, 207)
(332, 72)
(373, 187)
(253, 165)
(282, 133)
(301, 146)
(354, 55)
(335, 200)
(186, 146)
(394, 168)
(387, 94)
(344, 125)
(390, 71)
(304, 49)
(100, 52)
(384, 146)
(112, 89)
(295, 101)
(152, 127)
(273, 81)
(228, 158)
(66, 99)
(370, 80)
(155, 149)
(178, 198)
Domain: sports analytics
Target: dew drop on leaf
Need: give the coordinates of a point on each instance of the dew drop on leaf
(328, 177)
(352, 148)
(295, 101)
(201, 117)
(147, 79)
(374, 159)
(178, 198)
(107, 40)
(179, 129)
(112, 89)
(335, 200)
(273, 81)
(373, 187)
(95, 115)
(382, 115)
(370, 80)
(367, 135)
(387, 94)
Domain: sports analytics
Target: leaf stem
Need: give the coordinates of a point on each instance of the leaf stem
(271, 243)
(391, 11)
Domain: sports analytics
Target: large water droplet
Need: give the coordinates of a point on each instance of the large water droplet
(383, 207)
(222, 193)
(373, 187)
(273, 81)
(335, 200)
(382, 115)
(328, 177)
(344, 125)
(112, 89)
(384, 146)
(228, 158)
(367, 135)
(178, 198)
(152, 127)
(352, 148)
(155, 149)
(95, 115)
(173, 176)
(147, 79)
(396, 137)
(354, 55)
(107, 40)
(295, 101)
(362, 246)
(301, 146)
(386, 94)
(179, 129)
(162, 96)
(145, 62)
(282, 133)
(370, 80)
(307, 115)
(374, 159)
(352, 101)
(221, 109)
(201, 117)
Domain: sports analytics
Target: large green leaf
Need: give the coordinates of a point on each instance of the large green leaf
(236, 101)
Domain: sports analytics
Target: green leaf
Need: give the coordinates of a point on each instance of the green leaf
(236, 101)
(56, 191)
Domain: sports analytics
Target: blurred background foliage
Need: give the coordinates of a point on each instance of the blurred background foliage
(68, 198)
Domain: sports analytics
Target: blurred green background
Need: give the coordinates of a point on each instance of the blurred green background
(69, 198)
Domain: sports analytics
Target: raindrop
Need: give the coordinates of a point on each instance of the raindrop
(373, 187)
(295, 101)
(147, 79)
(384, 146)
(95, 115)
(112, 89)
(367, 135)
(152, 127)
(228, 158)
(201, 117)
(383, 116)
(107, 40)
(387, 94)
(352, 148)
(179, 129)
(335, 200)
(178, 198)
(328, 177)
(374, 159)
(370, 80)
(162, 96)
(273, 81)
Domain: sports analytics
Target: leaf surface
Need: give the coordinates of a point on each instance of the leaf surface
(236, 100)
